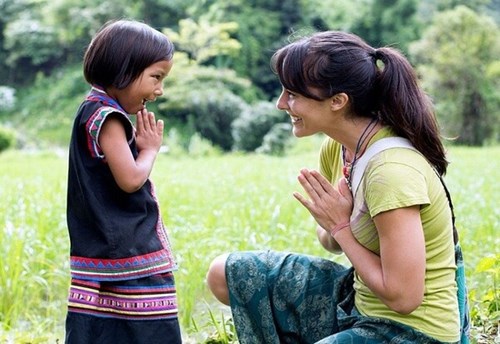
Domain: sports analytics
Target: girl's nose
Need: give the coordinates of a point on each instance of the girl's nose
(159, 91)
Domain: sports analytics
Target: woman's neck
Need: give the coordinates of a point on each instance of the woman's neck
(356, 135)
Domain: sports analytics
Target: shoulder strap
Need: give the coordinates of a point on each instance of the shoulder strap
(377, 147)
(381, 145)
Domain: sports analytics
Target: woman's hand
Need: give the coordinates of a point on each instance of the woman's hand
(329, 207)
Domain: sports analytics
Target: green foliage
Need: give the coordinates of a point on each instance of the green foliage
(45, 112)
(205, 99)
(253, 124)
(7, 98)
(213, 112)
(7, 138)
(203, 41)
(461, 74)
(389, 22)
(275, 141)
(485, 305)
(338, 15)
(30, 40)
(219, 331)
(210, 205)
(226, 45)
(262, 25)
(200, 147)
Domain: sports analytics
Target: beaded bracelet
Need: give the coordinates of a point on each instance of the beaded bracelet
(339, 227)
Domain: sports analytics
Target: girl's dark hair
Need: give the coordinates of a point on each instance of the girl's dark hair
(121, 50)
(379, 83)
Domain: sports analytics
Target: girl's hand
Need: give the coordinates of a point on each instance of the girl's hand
(328, 206)
(149, 132)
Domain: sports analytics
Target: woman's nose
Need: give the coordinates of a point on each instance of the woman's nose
(281, 103)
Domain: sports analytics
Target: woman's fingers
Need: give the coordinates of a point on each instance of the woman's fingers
(323, 182)
(302, 200)
(307, 186)
(316, 185)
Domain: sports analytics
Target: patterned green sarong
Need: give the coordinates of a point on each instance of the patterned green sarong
(279, 297)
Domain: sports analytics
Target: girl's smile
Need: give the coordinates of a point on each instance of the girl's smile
(146, 88)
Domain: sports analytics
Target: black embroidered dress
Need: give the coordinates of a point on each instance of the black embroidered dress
(121, 260)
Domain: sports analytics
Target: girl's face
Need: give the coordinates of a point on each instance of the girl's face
(146, 87)
(309, 116)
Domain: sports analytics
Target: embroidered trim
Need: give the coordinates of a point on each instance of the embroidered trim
(94, 125)
(140, 303)
(98, 269)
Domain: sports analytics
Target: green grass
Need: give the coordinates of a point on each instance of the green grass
(210, 205)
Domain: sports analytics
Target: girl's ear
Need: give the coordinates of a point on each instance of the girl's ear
(339, 101)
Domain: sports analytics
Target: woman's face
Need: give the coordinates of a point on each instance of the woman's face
(309, 116)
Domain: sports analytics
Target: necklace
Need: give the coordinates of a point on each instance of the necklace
(348, 166)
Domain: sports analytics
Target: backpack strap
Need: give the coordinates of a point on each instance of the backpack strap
(462, 293)
(381, 145)
(377, 147)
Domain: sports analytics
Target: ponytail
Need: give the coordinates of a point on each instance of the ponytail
(406, 108)
(380, 84)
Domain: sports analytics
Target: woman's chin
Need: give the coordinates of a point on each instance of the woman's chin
(298, 133)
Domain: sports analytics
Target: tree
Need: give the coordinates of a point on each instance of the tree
(334, 15)
(390, 22)
(262, 26)
(203, 41)
(462, 73)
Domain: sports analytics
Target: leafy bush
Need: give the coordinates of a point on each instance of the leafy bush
(276, 139)
(485, 308)
(200, 147)
(213, 112)
(254, 123)
(7, 138)
(7, 98)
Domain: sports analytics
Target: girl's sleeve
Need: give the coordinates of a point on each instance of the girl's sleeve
(95, 123)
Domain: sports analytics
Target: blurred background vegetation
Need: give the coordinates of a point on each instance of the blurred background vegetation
(221, 91)
(220, 97)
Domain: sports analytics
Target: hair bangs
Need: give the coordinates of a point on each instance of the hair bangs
(289, 64)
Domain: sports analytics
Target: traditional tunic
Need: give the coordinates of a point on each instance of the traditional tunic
(121, 260)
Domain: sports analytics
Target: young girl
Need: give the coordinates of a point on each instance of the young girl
(396, 228)
(122, 286)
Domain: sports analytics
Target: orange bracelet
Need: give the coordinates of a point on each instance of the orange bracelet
(339, 227)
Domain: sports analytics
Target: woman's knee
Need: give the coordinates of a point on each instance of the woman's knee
(216, 279)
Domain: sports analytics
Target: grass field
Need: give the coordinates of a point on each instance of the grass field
(210, 205)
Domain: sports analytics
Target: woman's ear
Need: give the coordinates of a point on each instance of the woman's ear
(339, 101)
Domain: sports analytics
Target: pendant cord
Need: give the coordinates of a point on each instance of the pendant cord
(366, 133)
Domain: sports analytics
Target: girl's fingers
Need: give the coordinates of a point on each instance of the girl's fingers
(159, 127)
(140, 122)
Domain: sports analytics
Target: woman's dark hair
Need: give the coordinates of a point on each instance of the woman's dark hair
(379, 83)
(121, 50)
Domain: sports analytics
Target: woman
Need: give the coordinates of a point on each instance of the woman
(396, 230)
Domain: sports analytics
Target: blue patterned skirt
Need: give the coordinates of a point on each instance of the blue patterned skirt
(279, 297)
